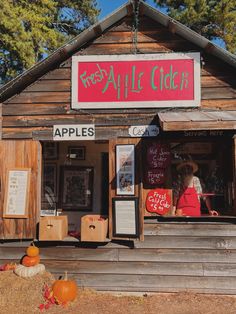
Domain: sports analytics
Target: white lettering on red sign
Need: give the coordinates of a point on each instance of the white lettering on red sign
(158, 201)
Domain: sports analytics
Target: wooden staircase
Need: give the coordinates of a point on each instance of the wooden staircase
(175, 256)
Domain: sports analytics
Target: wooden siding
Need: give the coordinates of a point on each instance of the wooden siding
(234, 172)
(21, 154)
(32, 113)
(199, 257)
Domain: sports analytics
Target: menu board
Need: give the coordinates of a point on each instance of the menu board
(158, 159)
(155, 176)
(16, 195)
(158, 155)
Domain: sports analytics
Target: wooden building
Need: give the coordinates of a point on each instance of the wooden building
(37, 105)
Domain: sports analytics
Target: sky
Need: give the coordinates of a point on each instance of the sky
(108, 6)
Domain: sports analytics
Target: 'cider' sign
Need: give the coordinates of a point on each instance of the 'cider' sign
(128, 81)
(158, 155)
(159, 201)
(74, 132)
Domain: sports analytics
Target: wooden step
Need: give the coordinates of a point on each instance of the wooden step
(143, 268)
(194, 242)
(178, 255)
(156, 283)
(190, 229)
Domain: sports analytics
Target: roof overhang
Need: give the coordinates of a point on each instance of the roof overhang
(197, 120)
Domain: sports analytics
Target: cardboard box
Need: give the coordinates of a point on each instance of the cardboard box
(53, 228)
(94, 228)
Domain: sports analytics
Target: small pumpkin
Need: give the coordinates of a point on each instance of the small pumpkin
(30, 260)
(32, 250)
(8, 266)
(64, 290)
(26, 272)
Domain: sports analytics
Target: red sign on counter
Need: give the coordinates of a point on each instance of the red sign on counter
(158, 155)
(128, 81)
(159, 201)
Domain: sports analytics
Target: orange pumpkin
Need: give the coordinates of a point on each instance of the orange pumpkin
(32, 250)
(30, 260)
(64, 290)
(9, 266)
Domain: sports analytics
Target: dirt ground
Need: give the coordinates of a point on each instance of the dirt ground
(18, 295)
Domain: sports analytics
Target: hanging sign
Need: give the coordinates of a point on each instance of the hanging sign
(143, 130)
(74, 132)
(131, 81)
(159, 201)
(158, 155)
(155, 176)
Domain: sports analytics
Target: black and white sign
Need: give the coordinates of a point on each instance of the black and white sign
(125, 217)
(143, 130)
(74, 132)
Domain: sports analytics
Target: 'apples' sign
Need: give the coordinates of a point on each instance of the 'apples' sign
(128, 81)
(73, 132)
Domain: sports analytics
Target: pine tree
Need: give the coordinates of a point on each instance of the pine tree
(210, 18)
(31, 29)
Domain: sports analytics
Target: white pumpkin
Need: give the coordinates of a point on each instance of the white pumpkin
(31, 271)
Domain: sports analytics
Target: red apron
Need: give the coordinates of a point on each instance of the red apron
(189, 202)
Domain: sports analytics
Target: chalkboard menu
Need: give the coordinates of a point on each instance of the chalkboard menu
(16, 195)
(158, 158)
(158, 155)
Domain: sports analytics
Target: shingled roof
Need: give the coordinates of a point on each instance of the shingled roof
(67, 50)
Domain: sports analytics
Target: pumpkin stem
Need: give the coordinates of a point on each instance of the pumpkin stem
(66, 277)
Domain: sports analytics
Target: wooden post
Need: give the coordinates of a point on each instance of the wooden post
(0, 121)
(234, 175)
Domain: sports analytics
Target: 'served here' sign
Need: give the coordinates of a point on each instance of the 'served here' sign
(136, 81)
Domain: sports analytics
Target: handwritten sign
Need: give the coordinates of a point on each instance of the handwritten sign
(158, 155)
(155, 176)
(143, 131)
(128, 81)
(159, 201)
(16, 196)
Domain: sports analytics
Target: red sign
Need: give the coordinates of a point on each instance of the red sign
(159, 201)
(158, 155)
(135, 81)
(155, 176)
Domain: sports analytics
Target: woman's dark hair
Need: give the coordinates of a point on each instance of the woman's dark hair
(186, 170)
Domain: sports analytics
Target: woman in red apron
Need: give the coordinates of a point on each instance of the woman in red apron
(189, 203)
(188, 191)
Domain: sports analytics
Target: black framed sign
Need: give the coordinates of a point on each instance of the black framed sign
(125, 217)
(125, 169)
(50, 150)
(77, 152)
(76, 187)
